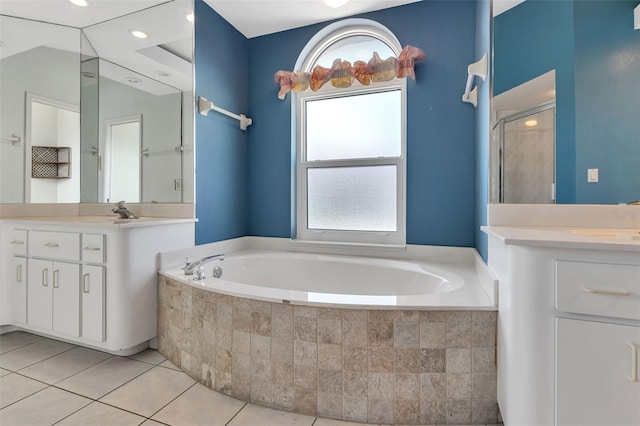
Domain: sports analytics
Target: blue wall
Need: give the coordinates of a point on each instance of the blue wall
(607, 82)
(221, 61)
(441, 163)
(529, 40)
(483, 117)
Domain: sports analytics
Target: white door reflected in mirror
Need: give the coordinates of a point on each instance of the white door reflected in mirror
(122, 160)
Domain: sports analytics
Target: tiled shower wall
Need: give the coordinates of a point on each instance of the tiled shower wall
(377, 366)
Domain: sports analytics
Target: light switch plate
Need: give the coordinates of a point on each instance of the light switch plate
(592, 175)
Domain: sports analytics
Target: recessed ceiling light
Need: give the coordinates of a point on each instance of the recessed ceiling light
(335, 3)
(133, 80)
(163, 73)
(531, 123)
(81, 3)
(138, 34)
(189, 17)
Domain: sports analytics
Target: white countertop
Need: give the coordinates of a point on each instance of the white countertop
(581, 238)
(100, 221)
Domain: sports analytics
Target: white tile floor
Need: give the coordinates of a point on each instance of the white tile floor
(46, 382)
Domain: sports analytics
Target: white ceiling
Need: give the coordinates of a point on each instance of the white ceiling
(254, 18)
(501, 6)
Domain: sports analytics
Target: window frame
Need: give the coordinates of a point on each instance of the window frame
(303, 233)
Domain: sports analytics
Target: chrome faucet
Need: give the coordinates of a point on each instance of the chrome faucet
(634, 203)
(124, 212)
(190, 267)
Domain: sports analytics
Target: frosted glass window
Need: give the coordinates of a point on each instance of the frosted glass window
(352, 198)
(359, 126)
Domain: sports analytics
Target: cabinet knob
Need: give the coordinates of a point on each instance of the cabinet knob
(16, 242)
(51, 245)
(91, 248)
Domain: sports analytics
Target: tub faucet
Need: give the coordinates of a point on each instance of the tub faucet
(124, 212)
(190, 267)
(634, 203)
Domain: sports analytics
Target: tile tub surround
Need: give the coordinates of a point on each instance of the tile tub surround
(377, 366)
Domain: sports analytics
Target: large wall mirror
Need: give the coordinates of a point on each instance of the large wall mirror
(566, 105)
(111, 106)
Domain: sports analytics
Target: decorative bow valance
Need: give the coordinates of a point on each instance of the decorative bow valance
(343, 73)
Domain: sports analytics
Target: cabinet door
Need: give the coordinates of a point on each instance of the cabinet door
(39, 282)
(595, 365)
(16, 279)
(93, 303)
(66, 298)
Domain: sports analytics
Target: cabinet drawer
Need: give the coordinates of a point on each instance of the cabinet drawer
(93, 248)
(16, 242)
(598, 289)
(55, 245)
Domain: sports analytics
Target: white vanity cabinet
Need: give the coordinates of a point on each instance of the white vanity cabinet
(568, 329)
(92, 283)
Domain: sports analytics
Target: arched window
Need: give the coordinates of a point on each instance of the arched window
(350, 144)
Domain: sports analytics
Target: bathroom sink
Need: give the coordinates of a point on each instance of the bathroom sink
(614, 234)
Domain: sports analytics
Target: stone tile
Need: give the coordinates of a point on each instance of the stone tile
(354, 408)
(406, 335)
(305, 377)
(354, 315)
(406, 316)
(433, 386)
(252, 415)
(305, 329)
(261, 393)
(97, 413)
(305, 401)
(380, 334)
(102, 378)
(433, 316)
(241, 377)
(224, 323)
(355, 384)
(433, 412)
(355, 359)
(483, 360)
(321, 421)
(65, 365)
(223, 359)
(329, 357)
(305, 353)
(458, 361)
(240, 343)
(354, 333)
(223, 382)
(330, 331)
(282, 349)
(15, 340)
(432, 360)
(169, 364)
(46, 407)
(149, 392)
(260, 347)
(305, 311)
(150, 356)
(329, 405)
(14, 387)
(282, 374)
(330, 381)
(433, 335)
(381, 386)
(484, 411)
(459, 411)
(208, 376)
(407, 412)
(458, 329)
(282, 396)
(261, 307)
(381, 411)
(281, 320)
(484, 386)
(261, 324)
(378, 315)
(458, 386)
(331, 314)
(407, 361)
(241, 314)
(260, 371)
(27, 355)
(381, 360)
(407, 386)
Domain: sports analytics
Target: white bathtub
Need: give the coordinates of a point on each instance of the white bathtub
(318, 279)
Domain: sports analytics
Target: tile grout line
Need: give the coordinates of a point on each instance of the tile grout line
(37, 362)
(177, 396)
(25, 397)
(236, 414)
(23, 346)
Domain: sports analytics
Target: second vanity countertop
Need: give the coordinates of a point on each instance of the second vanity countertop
(100, 221)
(580, 238)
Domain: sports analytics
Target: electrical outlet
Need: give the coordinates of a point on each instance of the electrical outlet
(177, 184)
(592, 175)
